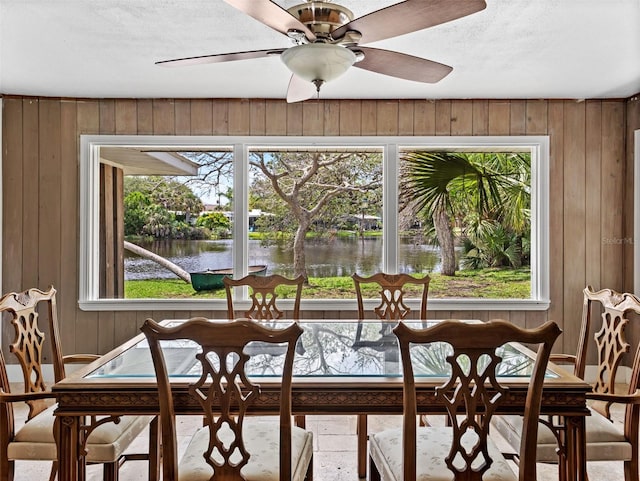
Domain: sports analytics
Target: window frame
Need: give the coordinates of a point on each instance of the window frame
(88, 299)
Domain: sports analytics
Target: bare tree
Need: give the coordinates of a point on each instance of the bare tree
(311, 183)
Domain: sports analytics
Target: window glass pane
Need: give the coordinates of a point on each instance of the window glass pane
(179, 223)
(313, 206)
(465, 218)
(317, 213)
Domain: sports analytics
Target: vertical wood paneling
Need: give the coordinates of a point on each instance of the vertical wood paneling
(294, 119)
(49, 214)
(107, 236)
(201, 117)
(331, 117)
(182, 109)
(556, 217)
(518, 117)
(145, 116)
(461, 118)
(443, 117)
(108, 116)
(106, 329)
(239, 117)
(312, 118)
(368, 119)
(574, 214)
(612, 193)
(30, 193)
(164, 117)
(632, 124)
(219, 115)
(276, 113)
(257, 117)
(593, 189)
(126, 111)
(536, 117)
(499, 117)
(630, 215)
(69, 187)
(480, 117)
(350, 117)
(86, 332)
(387, 117)
(424, 117)
(405, 117)
(588, 183)
(12, 175)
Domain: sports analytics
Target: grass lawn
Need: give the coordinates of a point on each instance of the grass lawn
(484, 283)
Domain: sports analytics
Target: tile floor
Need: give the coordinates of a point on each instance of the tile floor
(334, 453)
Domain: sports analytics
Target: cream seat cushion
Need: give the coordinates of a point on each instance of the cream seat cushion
(105, 444)
(605, 442)
(433, 445)
(262, 441)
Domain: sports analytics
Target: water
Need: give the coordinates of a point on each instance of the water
(324, 258)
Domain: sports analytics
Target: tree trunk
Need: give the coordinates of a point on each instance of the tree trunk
(141, 251)
(444, 231)
(299, 260)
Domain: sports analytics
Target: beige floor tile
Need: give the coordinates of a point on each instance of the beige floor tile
(335, 443)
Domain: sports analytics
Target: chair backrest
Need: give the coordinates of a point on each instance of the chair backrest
(224, 391)
(23, 311)
(610, 340)
(392, 293)
(472, 393)
(263, 296)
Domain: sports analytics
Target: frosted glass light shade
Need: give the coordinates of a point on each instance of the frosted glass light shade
(318, 61)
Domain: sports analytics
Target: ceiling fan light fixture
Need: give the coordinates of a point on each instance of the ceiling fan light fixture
(318, 62)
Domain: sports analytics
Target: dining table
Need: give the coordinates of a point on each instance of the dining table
(340, 367)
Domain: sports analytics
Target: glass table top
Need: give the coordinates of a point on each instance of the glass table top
(325, 349)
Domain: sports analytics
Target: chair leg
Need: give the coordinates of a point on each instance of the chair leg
(54, 471)
(631, 470)
(362, 445)
(309, 475)
(110, 471)
(154, 450)
(374, 474)
(7, 469)
(300, 421)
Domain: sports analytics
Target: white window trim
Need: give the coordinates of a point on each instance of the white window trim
(89, 213)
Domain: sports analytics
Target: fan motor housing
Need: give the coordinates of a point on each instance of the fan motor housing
(321, 18)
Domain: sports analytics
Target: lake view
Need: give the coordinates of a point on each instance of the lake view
(325, 258)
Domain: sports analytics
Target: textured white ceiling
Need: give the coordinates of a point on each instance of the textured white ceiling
(513, 49)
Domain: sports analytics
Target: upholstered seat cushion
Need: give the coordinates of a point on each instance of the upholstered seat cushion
(605, 441)
(262, 441)
(433, 445)
(105, 444)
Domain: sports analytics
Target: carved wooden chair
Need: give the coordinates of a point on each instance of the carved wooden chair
(392, 308)
(35, 440)
(605, 441)
(230, 445)
(264, 305)
(463, 450)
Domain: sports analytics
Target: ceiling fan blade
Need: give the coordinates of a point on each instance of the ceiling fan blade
(407, 17)
(272, 15)
(299, 90)
(220, 57)
(401, 65)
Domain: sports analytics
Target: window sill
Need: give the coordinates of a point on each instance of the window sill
(312, 305)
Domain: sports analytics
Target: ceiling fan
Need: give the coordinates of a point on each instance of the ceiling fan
(328, 40)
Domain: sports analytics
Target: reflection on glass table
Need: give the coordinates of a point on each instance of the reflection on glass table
(326, 348)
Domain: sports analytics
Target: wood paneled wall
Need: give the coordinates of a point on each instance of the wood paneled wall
(591, 186)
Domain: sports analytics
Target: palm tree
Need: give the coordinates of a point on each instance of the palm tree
(451, 187)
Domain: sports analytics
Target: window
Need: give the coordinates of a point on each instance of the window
(247, 194)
